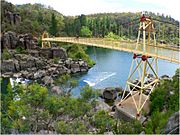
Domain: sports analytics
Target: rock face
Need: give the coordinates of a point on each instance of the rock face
(11, 40)
(30, 67)
(14, 18)
(172, 126)
(27, 41)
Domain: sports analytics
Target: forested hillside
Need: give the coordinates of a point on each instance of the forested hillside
(38, 18)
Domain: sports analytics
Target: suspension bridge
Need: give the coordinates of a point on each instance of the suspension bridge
(145, 61)
(160, 51)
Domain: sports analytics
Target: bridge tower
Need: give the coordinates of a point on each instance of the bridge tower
(144, 66)
(45, 43)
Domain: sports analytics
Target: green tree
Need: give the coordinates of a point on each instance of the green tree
(66, 83)
(53, 27)
(103, 122)
(78, 52)
(85, 32)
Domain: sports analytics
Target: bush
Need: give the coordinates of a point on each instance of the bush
(164, 101)
(156, 122)
(6, 55)
(20, 50)
(111, 35)
(75, 127)
(77, 52)
(85, 32)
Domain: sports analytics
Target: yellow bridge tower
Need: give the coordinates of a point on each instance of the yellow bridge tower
(142, 65)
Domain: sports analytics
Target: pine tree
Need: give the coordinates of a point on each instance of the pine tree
(53, 28)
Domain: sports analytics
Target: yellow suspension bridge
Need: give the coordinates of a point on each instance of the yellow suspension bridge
(160, 51)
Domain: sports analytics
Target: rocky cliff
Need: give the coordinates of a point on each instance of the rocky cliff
(35, 63)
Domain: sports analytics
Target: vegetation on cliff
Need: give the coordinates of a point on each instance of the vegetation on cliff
(38, 18)
(164, 102)
(32, 108)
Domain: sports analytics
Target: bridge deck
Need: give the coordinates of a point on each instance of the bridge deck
(166, 53)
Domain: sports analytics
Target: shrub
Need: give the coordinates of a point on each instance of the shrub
(111, 35)
(85, 32)
(6, 55)
(20, 50)
(77, 52)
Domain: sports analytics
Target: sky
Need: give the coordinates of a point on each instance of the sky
(77, 7)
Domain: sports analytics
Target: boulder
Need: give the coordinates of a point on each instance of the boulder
(27, 64)
(59, 53)
(17, 75)
(56, 90)
(102, 106)
(24, 73)
(46, 53)
(83, 69)
(40, 63)
(75, 68)
(47, 80)
(172, 126)
(33, 53)
(17, 66)
(109, 94)
(7, 75)
(39, 74)
(7, 66)
(81, 63)
(68, 62)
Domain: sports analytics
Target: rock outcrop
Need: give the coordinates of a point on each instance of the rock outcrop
(34, 68)
(172, 126)
(11, 40)
(13, 18)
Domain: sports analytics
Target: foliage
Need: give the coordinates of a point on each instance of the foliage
(39, 42)
(111, 35)
(77, 52)
(157, 122)
(165, 96)
(85, 32)
(20, 50)
(6, 55)
(76, 127)
(103, 122)
(35, 18)
(132, 127)
(53, 28)
(87, 93)
(31, 109)
(66, 83)
(164, 102)
(38, 18)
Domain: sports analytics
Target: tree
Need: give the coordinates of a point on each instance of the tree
(53, 28)
(66, 83)
(85, 32)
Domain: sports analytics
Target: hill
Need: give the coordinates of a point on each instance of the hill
(37, 18)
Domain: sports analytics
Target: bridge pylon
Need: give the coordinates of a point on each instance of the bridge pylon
(45, 44)
(142, 66)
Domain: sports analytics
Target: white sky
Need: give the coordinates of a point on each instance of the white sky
(77, 7)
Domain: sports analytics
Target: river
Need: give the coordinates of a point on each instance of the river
(112, 69)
